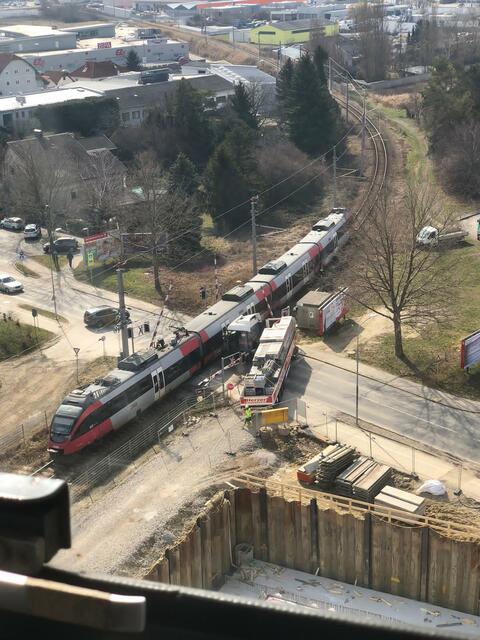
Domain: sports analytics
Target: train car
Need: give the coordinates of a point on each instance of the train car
(263, 384)
(91, 412)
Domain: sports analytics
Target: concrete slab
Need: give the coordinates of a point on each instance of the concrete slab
(272, 583)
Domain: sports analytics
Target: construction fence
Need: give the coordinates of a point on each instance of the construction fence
(39, 421)
(110, 469)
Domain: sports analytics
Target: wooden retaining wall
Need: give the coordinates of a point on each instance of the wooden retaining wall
(365, 549)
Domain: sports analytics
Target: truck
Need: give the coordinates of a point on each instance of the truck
(263, 384)
(431, 237)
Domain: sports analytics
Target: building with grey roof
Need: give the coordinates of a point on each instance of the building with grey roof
(70, 175)
(23, 38)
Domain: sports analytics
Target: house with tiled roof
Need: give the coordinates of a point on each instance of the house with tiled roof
(73, 175)
(17, 76)
(92, 69)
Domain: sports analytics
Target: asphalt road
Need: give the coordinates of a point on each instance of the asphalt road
(401, 406)
(72, 299)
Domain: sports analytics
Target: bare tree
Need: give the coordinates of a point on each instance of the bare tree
(104, 178)
(374, 41)
(167, 215)
(37, 184)
(388, 272)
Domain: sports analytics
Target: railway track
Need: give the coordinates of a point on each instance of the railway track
(380, 163)
(372, 193)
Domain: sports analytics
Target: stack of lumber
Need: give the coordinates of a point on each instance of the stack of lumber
(363, 479)
(336, 458)
(325, 466)
(371, 483)
(393, 498)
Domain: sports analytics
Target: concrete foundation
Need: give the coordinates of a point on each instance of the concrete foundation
(361, 548)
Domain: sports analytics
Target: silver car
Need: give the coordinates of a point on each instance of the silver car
(13, 224)
(9, 284)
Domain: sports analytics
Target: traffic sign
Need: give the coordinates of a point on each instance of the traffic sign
(90, 258)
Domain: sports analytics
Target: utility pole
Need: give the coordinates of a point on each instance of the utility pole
(76, 350)
(364, 119)
(348, 99)
(253, 204)
(334, 177)
(330, 74)
(356, 386)
(123, 320)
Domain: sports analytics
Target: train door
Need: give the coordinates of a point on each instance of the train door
(306, 268)
(158, 378)
(289, 285)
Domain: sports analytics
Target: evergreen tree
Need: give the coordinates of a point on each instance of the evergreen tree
(191, 124)
(240, 142)
(225, 187)
(133, 61)
(284, 87)
(312, 115)
(183, 176)
(244, 107)
(320, 58)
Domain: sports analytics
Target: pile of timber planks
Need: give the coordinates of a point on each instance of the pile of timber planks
(333, 463)
(363, 479)
(324, 467)
(393, 498)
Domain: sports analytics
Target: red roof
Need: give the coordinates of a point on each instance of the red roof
(232, 3)
(92, 69)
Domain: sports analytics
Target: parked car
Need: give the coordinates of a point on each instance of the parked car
(103, 316)
(8, 284)
(32, 232)
(14, 224)
(62, 245)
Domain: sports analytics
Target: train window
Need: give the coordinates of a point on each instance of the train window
(139, 388)
(96, 417)
(179, 368)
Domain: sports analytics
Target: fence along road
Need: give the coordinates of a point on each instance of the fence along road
(147, 437)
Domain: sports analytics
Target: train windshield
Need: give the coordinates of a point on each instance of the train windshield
(64, 419)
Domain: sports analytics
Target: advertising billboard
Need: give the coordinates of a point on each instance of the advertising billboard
(102, 247)
(470, 350)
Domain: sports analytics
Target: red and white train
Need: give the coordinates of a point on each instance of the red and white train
(91, 412)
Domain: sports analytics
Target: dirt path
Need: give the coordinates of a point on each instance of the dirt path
(124, 530)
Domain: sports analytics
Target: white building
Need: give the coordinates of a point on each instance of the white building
(20, 38)
(17, 111)
(17, 75)
(112, 49)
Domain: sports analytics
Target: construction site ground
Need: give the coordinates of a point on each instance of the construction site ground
(122, 528)
(271, 583)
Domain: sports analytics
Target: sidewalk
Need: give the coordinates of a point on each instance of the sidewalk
(402, 457)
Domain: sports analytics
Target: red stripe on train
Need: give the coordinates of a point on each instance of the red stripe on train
(190, 346)
(90, 409)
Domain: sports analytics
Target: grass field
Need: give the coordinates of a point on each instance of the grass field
(26, 271)
(435, 352)
(16, 338)
(46, 261)
(43, 312)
